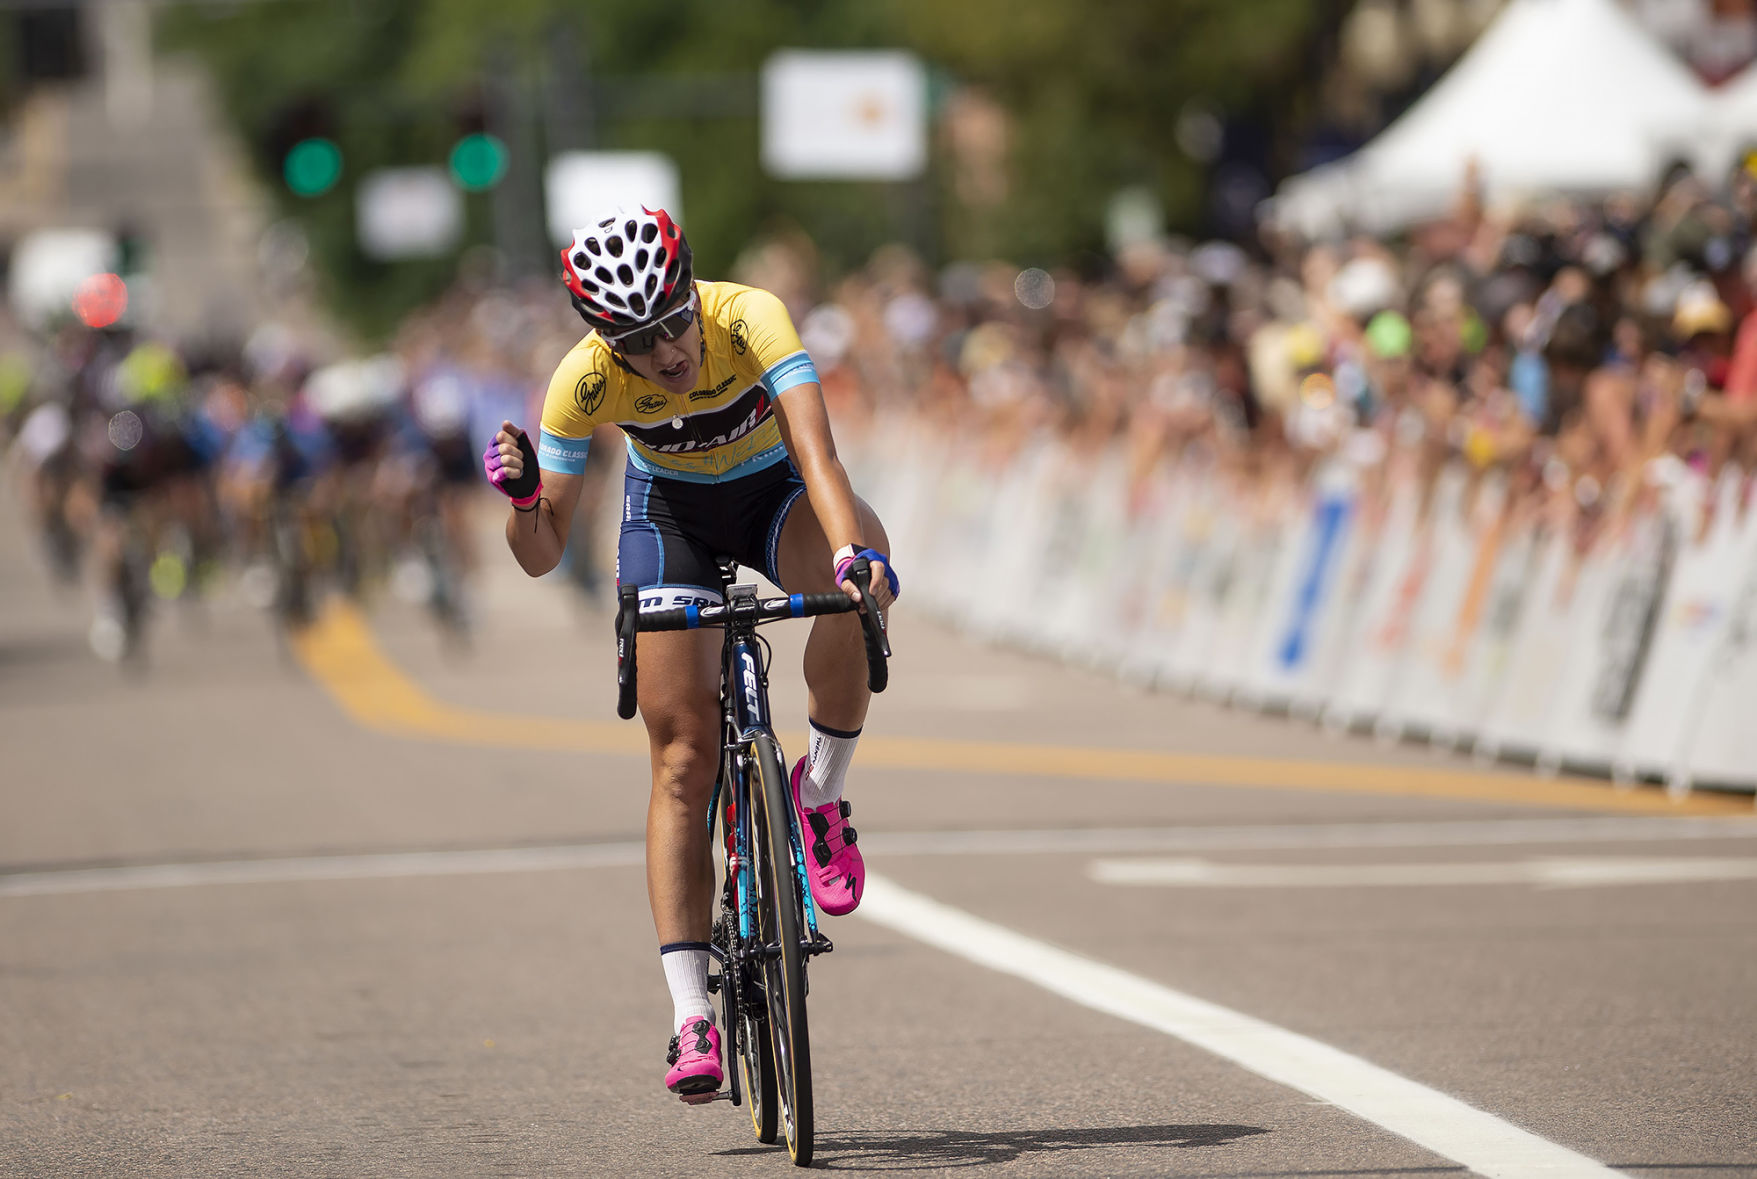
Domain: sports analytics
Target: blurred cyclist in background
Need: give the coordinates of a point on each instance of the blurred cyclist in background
(440, 463)
(729, 453)
(38, 405)
(360, 403)
(139, 386)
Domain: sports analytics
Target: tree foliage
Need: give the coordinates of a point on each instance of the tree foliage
(1093, 92)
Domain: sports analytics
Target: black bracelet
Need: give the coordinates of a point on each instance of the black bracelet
(532, 508)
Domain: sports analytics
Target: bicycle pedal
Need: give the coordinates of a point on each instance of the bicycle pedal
(704, 1098)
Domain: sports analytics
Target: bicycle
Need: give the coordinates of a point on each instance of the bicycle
(766, 929)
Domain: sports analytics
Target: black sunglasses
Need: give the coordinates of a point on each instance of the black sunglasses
(643, 340)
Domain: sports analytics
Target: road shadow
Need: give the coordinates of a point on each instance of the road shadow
(941, 1149)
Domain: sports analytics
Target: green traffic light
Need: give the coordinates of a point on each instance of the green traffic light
(312, 167)
(478, 162)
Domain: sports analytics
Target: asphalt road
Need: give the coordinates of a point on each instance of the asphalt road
(364, 907)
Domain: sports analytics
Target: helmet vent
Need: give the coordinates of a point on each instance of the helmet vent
(628, 228)
(580, 260)
(614, 245)
(649, 231)
(652, 284)
(625, 272)
(640, 259)
(604, 275)
(592, 245)
(615, 298)
(637, 304)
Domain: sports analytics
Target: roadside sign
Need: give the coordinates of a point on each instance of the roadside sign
(580, 184)
(48, 267)
(849, 116)
(407, 213)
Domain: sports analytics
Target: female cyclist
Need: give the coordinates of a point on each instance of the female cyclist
(729, 452)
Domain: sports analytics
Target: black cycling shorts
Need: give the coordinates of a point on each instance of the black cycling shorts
(673, 529)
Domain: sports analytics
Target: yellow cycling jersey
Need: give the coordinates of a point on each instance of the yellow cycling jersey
(723, 429)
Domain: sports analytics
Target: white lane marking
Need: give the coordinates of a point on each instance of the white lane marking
(1425, 1116)
(1569, 873)
(363, 867)
(1266, 837)
(1089, 841)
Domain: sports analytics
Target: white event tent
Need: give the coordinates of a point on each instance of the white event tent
(1556, 96)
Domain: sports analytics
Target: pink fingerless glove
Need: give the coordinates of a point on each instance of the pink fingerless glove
(523, 491)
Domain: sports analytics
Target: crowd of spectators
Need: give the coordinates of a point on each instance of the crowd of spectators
(1589, 352)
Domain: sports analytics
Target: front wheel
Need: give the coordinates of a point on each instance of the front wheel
(783, 962)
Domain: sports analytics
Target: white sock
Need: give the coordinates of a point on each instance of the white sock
(826, 764)
(686, 973)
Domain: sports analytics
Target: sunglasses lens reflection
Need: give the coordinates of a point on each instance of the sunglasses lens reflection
(644, 341)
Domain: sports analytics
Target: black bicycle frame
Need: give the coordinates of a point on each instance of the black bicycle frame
(744, 680)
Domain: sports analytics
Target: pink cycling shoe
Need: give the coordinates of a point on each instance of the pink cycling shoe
(694, 1058)
(837, 872)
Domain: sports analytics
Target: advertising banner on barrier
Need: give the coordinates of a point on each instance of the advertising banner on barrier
(1719, 741)
(1711, 543)
(1423, 700)
(1442, 610)
(1487, 657)
(1394, 577)
(1287, 659)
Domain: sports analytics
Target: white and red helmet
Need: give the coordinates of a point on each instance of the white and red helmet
(627, 269)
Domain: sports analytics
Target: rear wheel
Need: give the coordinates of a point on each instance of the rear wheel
(743, 1019)
(744, 1015)
(778, 925)
(756, 1072)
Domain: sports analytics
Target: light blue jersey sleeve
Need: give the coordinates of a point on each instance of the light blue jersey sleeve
(564, 456)
(789, 371)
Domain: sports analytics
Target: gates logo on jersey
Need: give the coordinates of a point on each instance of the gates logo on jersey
(651, 403)
(589, 393)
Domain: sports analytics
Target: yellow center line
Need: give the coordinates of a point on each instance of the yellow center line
(341, 654)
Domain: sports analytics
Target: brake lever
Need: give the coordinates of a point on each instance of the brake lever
(872, 626)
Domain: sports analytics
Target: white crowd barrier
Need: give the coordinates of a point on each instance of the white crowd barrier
(1431, 612)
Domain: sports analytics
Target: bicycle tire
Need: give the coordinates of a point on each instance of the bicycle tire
(756, 1071)
(744, 1023)
(779, 919)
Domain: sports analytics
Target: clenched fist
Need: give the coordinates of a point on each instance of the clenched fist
(511, 465)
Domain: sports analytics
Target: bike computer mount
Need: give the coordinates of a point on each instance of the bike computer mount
(741, 600)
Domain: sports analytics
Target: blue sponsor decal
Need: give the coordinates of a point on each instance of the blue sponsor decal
(1332, 515)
